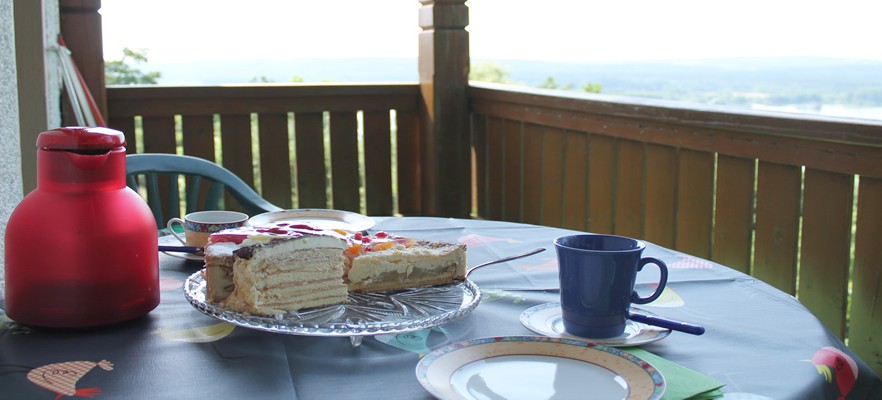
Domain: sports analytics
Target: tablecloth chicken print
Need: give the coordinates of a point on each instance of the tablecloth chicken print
(62, 378)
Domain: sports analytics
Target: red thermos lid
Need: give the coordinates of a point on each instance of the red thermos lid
(80, 138)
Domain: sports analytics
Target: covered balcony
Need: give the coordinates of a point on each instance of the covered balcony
(795, 201)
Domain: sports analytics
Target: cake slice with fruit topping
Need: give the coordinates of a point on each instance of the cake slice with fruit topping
(270, 270)
(384, 262)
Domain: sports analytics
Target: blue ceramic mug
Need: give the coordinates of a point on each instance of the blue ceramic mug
(597, 275)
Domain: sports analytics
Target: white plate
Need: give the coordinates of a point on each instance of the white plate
(169, 240)
(320, 218)
(365, 314)
(546, 319)
(529, 367)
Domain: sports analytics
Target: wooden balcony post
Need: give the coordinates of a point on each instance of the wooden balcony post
(81, 30)
(445, 137)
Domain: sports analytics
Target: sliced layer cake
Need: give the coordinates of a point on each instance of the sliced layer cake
(271, 271)
(274, 269)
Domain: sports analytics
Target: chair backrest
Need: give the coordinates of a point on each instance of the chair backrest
(204, 186)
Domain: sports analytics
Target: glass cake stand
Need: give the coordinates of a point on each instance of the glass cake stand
(365, 314)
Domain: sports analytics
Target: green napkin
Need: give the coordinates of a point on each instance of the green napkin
(681, 382)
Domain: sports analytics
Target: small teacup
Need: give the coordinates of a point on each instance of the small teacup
(198, 226)
(597, 275)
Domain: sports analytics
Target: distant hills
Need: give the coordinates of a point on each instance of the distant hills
(737, 81)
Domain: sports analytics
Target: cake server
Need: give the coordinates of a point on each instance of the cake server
(182, 249)
(504, 259)
(666, 323)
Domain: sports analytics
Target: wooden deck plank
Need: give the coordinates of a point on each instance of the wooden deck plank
(275, 159)
(553, 144)
(159, 134)
(345, 179)
(310, 160)
(695, 202)
(865, 326)
(495, 168)
(601, 175)
(513, 170)
(197, 133)
(236, 154)
(826, 246)
(733, 219)
(408, 148)
(777, 225)
(378, 163)
(661, 192)
(159, 137)
(575, 180)
(629, 181)
(197, 137)
(479, 145)
(532, 188)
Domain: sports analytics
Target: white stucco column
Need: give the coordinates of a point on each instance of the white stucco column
(10, 150)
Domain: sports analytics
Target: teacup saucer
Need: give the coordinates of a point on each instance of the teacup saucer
(170, 240)
(546, 319)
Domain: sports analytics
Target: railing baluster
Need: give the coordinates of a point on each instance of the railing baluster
(198, 136)
(236, 154)
(553, 187)
(826, 246)
(865, 325)
(601, 156)
(733, 219)
(513, 170)
(695, 201)
(275, 164)
(661, 195)
(777, 225)
(378, 163)
(311, 173)
(344, 161)
(532, 185)
(628, 188)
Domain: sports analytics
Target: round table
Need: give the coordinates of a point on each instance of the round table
(760, 342)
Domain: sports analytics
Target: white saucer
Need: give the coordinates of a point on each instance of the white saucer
(170, 240)
(545, 319)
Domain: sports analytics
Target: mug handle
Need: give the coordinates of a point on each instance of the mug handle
(663, 269)
(172, 231)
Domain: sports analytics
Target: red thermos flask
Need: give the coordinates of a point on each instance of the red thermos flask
(81, 249)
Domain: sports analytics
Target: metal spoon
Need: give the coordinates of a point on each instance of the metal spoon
(504, 259)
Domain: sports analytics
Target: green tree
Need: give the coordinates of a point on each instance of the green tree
(551, 83)
(489, 72)
(592, 87)
(120, 72)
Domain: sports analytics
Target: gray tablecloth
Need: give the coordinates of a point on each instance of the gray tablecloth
(760, 341)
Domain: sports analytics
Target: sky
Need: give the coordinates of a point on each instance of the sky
(554, 30)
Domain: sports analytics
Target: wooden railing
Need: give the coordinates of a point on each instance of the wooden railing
(794, 200)
(300, 145)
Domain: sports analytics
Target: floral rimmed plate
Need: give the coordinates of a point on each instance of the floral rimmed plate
(365, 314)
(534, 367)
(545, 319)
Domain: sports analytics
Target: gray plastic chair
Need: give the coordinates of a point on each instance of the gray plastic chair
(205, 184)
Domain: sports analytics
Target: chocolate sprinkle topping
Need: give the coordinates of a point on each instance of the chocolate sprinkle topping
(244, 252)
